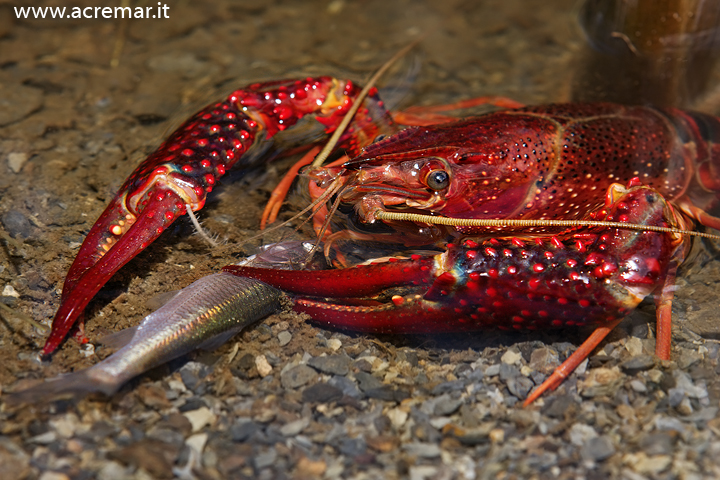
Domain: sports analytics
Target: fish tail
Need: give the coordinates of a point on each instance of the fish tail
(75, 385)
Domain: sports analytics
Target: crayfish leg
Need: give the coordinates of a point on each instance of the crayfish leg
(663, 312)
(567, 367)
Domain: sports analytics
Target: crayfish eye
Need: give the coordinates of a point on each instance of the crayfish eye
(437, 180)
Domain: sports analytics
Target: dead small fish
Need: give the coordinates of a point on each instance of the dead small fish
(204, 315)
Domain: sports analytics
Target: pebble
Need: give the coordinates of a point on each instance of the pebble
(297, 376)
(634, 346)
(347, 386)
(16, 160)
(447, 387)
(367, 382)
(647, 465)
(422, 450)
(265, 459)
(112, 471)
(263, 367)
(492, 370)
(598, 449)
(638, 363)
(684, 383)
(197, 442)
(661, 443)
(601, 381)
(446, 405)
(544, 360)
(333, 364)
(520, 386)
(638, 386)
(53, 476)
(243, 429)
(334, 344)
(284, 338)
(422, 472)
(44, 438)
(581, 434)
(352, 447)
(397, 417)
(293, 428)
(321, 393)
(16, 224)
(511, 357)
(200, 418)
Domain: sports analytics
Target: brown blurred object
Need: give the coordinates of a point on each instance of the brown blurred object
(659, 52)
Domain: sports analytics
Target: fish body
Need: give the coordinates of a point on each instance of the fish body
(203, 315)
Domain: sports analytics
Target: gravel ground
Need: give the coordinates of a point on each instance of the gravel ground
(286, 399)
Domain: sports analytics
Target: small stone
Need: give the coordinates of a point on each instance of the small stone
(492, 370)
(112, 471)
(197, 443)
(497, 435)
(423, 450)
(544, 360)
(44, 438)
(511, 357)
(307, 468)
(200, 418)
(383, 443)
(242, 430)
(447, 387)
(16, 160)
(637, 364)
(9, 291)
(297, 376)
(658, 444)
(265, 459)
(367, 382)
(284, 338)
(321, 393)
(634, 346)
(446, 405)
(601, 381)
(65, 426)
(352, 447)
(520, 386)
(53, 476)
(346, 385)
(598, 449)
(648, 465)
(638, 386)
(397, 417)
(293, 428)
(422, 472)
(560, 406)
(16, 224)
(333, 364)
(334, 344)
(580, 434)
(262, 365)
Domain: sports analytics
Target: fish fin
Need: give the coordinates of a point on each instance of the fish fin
(75, 385)
(218, 340)
(119, 339)
(157, 301)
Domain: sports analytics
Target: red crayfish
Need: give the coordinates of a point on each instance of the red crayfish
(600, 162)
